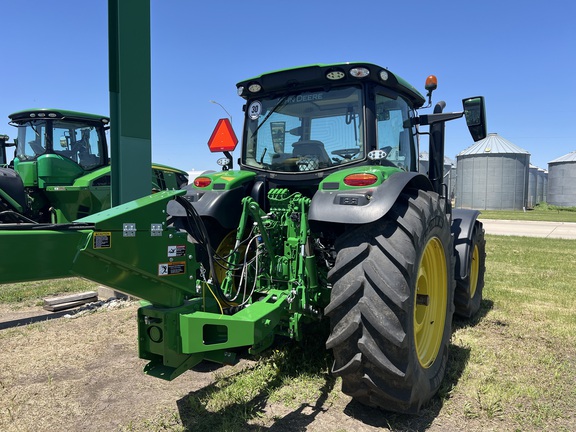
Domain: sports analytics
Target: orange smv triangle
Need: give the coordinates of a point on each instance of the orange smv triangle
(223, 138)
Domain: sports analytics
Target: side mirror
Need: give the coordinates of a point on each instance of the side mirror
(475, 112)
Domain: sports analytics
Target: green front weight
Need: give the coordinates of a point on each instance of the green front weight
(177, 339)
(202, 331)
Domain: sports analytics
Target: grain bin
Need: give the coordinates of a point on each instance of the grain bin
(492, 174)
(532, 186)
(562, 181)
(449, 171)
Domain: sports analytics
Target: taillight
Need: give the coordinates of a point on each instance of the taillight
(361, 179)
(202, 182)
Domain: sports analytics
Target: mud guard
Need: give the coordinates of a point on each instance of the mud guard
(223, 206)
(12, 189)
(463, 224)
(361, 206)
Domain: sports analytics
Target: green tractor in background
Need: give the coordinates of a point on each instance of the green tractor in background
(327, 218)
(60, 171)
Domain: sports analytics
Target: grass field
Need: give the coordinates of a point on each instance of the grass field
(28, 294)
(511, 368)
(542, 212)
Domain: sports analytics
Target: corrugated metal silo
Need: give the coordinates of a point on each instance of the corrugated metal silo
(449, 171)
(492, 174)
(532, 180)
(562, 181)
(540, 186)
(545, 187)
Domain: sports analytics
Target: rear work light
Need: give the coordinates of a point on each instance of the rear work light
(361, 179)
(202, 182)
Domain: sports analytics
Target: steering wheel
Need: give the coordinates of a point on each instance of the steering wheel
(346, 153)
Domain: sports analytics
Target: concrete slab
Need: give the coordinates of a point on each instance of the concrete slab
(565, 230)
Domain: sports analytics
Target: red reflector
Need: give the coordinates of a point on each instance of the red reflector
(202, 181)
(362, 179)
(223, 138)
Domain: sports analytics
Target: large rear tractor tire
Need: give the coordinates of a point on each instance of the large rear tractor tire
(391, 305)
(468, 295)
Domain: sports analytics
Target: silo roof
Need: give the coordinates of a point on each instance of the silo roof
(570, 157)
(493, 144)
(425, 156)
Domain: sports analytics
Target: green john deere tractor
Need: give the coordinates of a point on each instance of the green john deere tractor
(327, 218)
(61, 170)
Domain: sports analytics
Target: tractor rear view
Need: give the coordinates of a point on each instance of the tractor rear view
(60, 170)
(335, 215)
(327, 218)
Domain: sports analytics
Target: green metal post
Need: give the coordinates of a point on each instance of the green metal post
(130, 95)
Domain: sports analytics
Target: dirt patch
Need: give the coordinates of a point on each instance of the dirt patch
(83, 373)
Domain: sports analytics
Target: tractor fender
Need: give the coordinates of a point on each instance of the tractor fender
(12, 190)
(364, 205)
(463, 224)
(225, 206)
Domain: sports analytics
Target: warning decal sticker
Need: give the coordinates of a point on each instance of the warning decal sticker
(102, 240)
(176, 251)
(172, 268)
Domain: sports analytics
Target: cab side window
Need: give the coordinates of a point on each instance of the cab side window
(395, 134)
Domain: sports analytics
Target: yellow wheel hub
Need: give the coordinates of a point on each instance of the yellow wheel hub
(430, 302)
(474, 271)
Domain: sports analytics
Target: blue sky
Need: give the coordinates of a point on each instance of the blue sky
(520, 55)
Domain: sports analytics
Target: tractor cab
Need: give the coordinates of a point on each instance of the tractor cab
(57, 146)
(328, 117)
(304, 124)
(3, 153)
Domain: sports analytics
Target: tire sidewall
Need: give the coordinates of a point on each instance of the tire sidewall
(429, 379)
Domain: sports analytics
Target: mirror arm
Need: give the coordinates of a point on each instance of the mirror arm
(430, 119)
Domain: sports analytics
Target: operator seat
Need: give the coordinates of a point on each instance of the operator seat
(311, 148)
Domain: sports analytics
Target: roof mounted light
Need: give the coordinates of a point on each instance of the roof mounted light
(359, 72)
(41, 115)
(254, 88)
(240, 90)
(335, 74)
(32, 115)
(384, 75)
(431, 83)
(52, 115)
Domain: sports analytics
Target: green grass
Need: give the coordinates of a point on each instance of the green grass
(542, 212)
(31, 293)
(523, 346)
